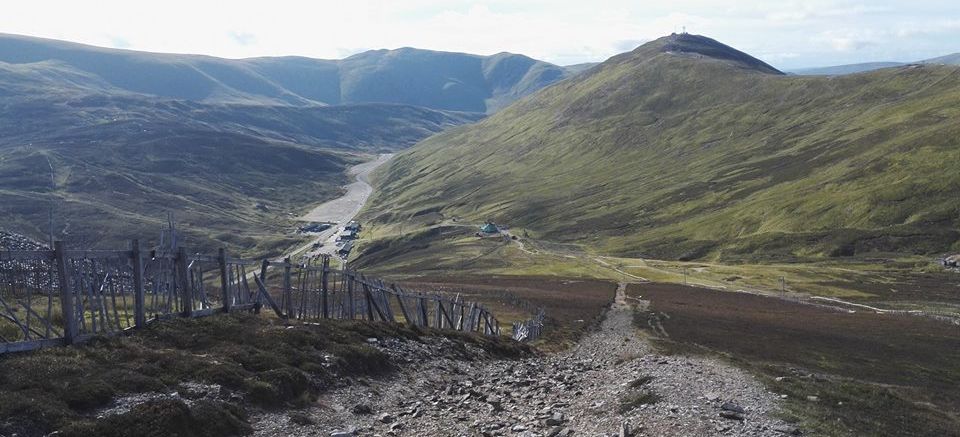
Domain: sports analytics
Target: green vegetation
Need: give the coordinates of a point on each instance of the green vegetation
(683, 149)
(267, 363)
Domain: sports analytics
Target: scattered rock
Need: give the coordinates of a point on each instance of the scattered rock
(732, 415)
(787, 429)
(730, 406)
(361, 409)
(554, 420)
(442, 388)
(301, 418)
(625, 430)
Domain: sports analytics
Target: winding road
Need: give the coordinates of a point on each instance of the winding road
(342, 209)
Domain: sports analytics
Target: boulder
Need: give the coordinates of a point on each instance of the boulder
(732, 415)
(730, 406)
(361, 409)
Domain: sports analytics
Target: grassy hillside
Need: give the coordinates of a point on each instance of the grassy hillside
(112, 164)
(438, 80)
(688, 149)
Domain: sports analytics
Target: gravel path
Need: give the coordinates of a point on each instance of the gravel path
(344, 208)
(577, 392)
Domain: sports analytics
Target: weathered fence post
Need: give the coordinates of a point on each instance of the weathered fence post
(422, 307)
(403, 307)
(351, 312)
(66, 294)
(139, 298)
(186, 292)
(263, 280)
(224, 280)
(287, 288)
(368, 300)
(324, 274)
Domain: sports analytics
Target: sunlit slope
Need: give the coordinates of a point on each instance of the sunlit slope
(685, 148)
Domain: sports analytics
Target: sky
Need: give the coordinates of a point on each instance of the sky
(785, 33)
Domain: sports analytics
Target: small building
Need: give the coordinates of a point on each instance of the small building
(352, 226)
(344, 250)
(348, 235)
(489, 229)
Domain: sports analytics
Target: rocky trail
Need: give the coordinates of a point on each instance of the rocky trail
(612, 383)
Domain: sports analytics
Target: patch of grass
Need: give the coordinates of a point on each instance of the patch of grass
(635, 398)
(165, 417)
(641, 381)
(846, 406)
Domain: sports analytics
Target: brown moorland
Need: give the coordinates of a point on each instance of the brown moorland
(875, 373)
(572, 305)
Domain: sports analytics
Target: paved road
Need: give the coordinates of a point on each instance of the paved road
(344, 208)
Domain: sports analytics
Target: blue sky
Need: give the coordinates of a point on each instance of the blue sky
(788, 33)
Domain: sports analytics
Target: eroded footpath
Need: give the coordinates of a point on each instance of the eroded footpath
(612, 383)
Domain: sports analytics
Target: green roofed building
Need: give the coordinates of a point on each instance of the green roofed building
(489, 228)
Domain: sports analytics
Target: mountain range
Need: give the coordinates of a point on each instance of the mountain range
(952, 59)
(437, 80)
(112, 139)
(686, 148)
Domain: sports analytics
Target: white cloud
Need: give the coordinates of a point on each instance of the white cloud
(562, 31)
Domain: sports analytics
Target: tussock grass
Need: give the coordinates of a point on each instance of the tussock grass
(268, 363)
(635, 398)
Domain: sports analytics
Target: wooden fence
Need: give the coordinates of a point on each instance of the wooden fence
(60, 297)
(530, 329)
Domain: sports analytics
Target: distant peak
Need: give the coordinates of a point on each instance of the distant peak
(701, 45)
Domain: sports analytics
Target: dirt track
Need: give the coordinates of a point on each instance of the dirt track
(577, 392)
(344, 208)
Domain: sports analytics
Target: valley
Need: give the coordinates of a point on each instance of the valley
(707, 245)
(339, 211)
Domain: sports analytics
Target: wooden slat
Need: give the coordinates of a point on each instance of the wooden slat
(139, 296)
(99, 254)
(266, 296)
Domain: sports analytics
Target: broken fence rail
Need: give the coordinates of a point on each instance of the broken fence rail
(530, 329)
(60, 297)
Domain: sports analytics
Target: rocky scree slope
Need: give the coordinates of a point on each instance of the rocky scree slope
(611, 383)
